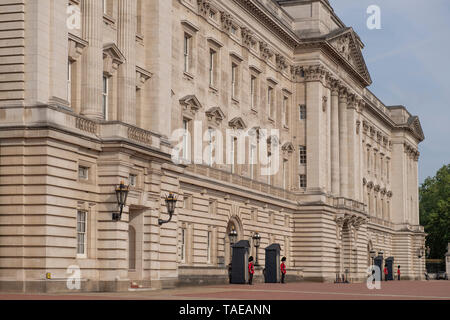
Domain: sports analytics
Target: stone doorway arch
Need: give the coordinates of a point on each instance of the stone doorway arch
(236, 223)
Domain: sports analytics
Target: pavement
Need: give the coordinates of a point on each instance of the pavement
(391, 290)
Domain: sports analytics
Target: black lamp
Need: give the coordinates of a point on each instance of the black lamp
(256, 242)
(233, 236)
(121, 194)
(171, 202)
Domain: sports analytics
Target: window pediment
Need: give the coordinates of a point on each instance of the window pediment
(237, 123)
(288, 147)
(190, 102)
(142, 76)
(112, 58)
(76, 47)
(215, 114)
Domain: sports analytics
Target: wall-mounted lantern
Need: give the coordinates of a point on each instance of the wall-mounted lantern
(121, 195)
(171, 202)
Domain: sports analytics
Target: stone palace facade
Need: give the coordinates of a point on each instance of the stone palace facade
(91, 91)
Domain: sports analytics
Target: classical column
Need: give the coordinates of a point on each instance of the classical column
(92, 68)
(335, 184)
(343, 142)
(126, 41)
(352, 147)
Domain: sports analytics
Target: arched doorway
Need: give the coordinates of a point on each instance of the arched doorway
(233, 223)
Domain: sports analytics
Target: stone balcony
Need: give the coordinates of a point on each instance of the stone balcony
(65, 120)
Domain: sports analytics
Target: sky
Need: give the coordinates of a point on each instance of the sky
(409, 62)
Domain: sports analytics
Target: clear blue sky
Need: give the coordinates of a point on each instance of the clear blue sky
(409, 62)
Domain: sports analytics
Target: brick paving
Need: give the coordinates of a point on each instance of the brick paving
(393, 290)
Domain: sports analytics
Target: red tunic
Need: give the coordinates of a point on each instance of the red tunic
(283, 268)
(398, 271)
(385, 271)
(251, 269)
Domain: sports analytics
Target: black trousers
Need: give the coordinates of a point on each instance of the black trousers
(283, 275)
(250, 278)
(398, 277)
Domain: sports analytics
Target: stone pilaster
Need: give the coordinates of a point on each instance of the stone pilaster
(92, 68)
(343, 142)
(126, 40)
(335, 181)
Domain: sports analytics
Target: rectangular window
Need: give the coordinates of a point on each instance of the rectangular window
(234, 82)
(285, 174)
(105, 6)
(302, 181)
(69, 82)
(302, 112)
(183, 245)
(186, 140)
(132, 180)
(233, 30)
(212, 67)
(253, 92)
(302, 151)
(105, 94)
(187, 49)
(210, 160)
(252, 158)
(233, 154)
(208, 247)
(284, 111)
(83, 173)
(81, 233)
(270, 102)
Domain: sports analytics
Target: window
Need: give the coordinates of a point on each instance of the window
(69, 82)
(105, 6)
(83, 173)
(270, 102)
(285, 174)
(187, 52)
(302, 112)
(302, 181)
(81, 234)
(183, 245)
(252, 158)
(253, 92)
(302, 155)
(284, 111)
(210, 160)
(212, 67)
(233, 30)
(133, 180)
(234, 80)
(105, 94)
(233, 154)
(186, 140)
(269, 176)
(208, 247)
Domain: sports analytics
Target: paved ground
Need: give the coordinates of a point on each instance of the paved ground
(393, 290)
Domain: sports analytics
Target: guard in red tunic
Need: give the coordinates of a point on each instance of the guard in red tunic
(385, 273)
(398, 273)
(283, 269)
(251, 270)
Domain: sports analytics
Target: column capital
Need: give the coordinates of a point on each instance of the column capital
(343, 94)
(315, 73)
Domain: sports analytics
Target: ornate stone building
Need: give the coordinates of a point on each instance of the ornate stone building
(90, 92)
